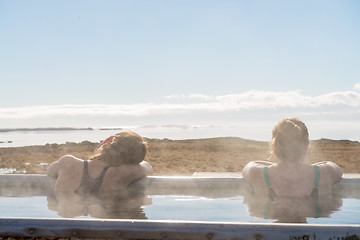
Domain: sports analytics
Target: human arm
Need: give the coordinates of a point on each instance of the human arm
(129, 173)
(55, 167)
(147, 167)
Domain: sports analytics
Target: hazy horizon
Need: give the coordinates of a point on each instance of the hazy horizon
(136, 63)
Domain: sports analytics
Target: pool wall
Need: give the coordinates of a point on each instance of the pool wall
(141, 229)
(18, 185)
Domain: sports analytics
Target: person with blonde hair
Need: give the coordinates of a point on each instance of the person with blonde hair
(118, 161)
(291, 177)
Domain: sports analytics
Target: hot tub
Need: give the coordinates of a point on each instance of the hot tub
(204, 206)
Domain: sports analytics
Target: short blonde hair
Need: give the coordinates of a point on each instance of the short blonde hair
(125, 148)
(290, 139)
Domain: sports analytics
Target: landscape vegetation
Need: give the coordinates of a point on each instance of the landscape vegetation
(185, 157)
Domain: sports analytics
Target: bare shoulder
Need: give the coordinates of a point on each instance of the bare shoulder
(253, 170)
(68, 158)
(331, 169)
(63, 162)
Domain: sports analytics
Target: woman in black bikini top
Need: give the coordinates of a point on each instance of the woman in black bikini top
(89, 185)
(118, 161)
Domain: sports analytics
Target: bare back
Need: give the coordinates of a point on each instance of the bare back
(291, 180)
(68, 171)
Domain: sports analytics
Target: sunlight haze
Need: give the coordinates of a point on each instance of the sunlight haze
(121, 63)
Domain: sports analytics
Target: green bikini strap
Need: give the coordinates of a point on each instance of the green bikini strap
(266, 176)
(317, 179)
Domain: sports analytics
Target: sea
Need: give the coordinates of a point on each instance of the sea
(19, 137)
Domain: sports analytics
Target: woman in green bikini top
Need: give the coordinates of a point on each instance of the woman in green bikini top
(290, 177)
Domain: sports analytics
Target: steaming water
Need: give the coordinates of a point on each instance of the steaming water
(192, 208)
(200, 209)
(25, 207)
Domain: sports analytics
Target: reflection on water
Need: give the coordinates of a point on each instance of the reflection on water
(112, 205)
(292, 210)
(129, 204)
(236, 206)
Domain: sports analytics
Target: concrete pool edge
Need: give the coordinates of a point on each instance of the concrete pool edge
(146, 229)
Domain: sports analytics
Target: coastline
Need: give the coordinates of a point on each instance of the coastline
(184, 157)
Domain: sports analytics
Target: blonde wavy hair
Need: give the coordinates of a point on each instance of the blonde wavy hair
(290, 140)
(122, 148)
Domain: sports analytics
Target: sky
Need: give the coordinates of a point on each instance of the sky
(249, 63)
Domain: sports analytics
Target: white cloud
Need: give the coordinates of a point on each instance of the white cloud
(292, 99)
(262, 99)
(348, 98)
(189, 96)
(357, 86)
(176, 96)
(199, 96)
(252, 100)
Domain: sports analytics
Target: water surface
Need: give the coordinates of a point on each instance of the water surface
(177, 207)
